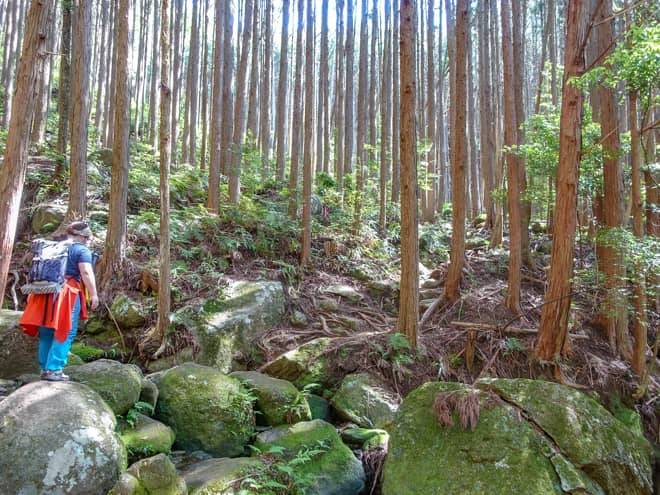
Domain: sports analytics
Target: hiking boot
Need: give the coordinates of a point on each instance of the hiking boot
(54, 376)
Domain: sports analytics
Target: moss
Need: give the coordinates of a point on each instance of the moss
(502, 454)
(208, 411)
(146, 438)
(87, 352)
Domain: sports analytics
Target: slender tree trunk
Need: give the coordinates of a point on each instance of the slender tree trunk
(498, 176)
(192, 89)
(297, 117)
(458, 90)
(63, 92)
(350, 80)
(613, 312)
(472, 127)
(485, 115)
(112, 74)
(306, 245)
(322, 107)
(115, 241)
(213, 200)
(153, 93)
(203, 152)
(513, 165)
(264, 123)
(77, 209)
(409, 293)
(253, 105)
(30, 76)
(386, 119)
(282, 107)
(227, 127)
(553, 328)
(429, 211)
(362, 102)
(340, 128)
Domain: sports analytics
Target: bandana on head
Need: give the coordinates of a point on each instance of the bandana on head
(86, 232)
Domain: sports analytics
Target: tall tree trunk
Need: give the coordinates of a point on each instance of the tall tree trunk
(297, 116)
(396, 107)
(264, 113)
(192, 88)
(409, 293)
(472, 127)
(203, 152)
(253, 105)
(553, 328)
(213, 200)
(458, 91)
(485, 115)
(362, 102)
(227, 126)
(386, 119)
(513, 165)
(498, 175)
(109, 115)
(429, 211)
(322, 106)
(63, 92)
(77, 209)
(340, 128)
(153, 92)
(613, 312)
(164, 126)
(281, 93)
(350, 71)
(115, 241)
(176, 71)
(30, 77)
(306, 245)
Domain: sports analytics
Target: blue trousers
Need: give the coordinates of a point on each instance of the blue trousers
(52, 353)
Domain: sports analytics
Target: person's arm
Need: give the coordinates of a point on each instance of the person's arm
(87, 274)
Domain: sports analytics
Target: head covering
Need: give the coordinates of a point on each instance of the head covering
(79, 229)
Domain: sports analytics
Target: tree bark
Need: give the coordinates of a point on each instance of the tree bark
(215, 159)
(63, 92)
(282, 107)
(29, 78)
(487, 147)
(553, 328)
(459, 156)
(429, 211)
(297, 116)
(306, 247)
(386, 119)
(264, 114)
(409, 294)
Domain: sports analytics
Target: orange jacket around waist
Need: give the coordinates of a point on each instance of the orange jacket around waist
(42, 311)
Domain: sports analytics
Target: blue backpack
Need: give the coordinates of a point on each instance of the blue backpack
(49, 260)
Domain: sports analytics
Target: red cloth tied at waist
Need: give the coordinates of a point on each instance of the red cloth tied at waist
(42, 311)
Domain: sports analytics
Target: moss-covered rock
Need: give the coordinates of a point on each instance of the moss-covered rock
(304, 365)
(345, 291)
(218, 476)
(319, 407)
(119, 384)
(146, 437)
(128, 313)
(47, 217)
(18, 351)
(127, 485)
(364, 400)
(365, 438)
(58, 438)
(332, 470)
(608, 451)
(502, 455)
(278, 401)
(157, 476)
(226, 327)
(87, 352)
(149, 392)
(207, 410)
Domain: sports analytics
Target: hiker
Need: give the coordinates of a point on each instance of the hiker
(54, 317)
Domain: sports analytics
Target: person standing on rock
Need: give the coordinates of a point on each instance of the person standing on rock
(54, 317)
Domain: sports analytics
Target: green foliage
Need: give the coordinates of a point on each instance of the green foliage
(280, 474)
(511, 345)
(397, 351)
(87, 352)
(138, 408)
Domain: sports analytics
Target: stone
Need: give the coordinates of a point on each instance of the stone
(128, 313)
(157, 475)
(58, 438)
(127, 485)
(207, 410)
(328, 305)
(146, 437)
(365, 401)
(384, 288)
(226, 328)
(46, 218)
(345, 291)
(298, 319)
(18, 351)
(148, 392)
(218, 476)
(319, 407)
(119, 384)
(278, 401)
(365, 438)
(304, 365)
(332, 471)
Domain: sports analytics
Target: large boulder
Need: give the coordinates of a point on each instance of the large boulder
(207, 410)
(304, 365)
(227, 327)
(129, 313)
(47, 217)
(278, 401)
(146, 437)
(58, 439)
(18, 351)
(119, 384)
(610, 452)
(331, 468)
(365, 401)
(509, 449)
(155, 475)
(219, 476)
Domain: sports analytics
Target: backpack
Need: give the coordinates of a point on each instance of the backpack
(49, 260)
